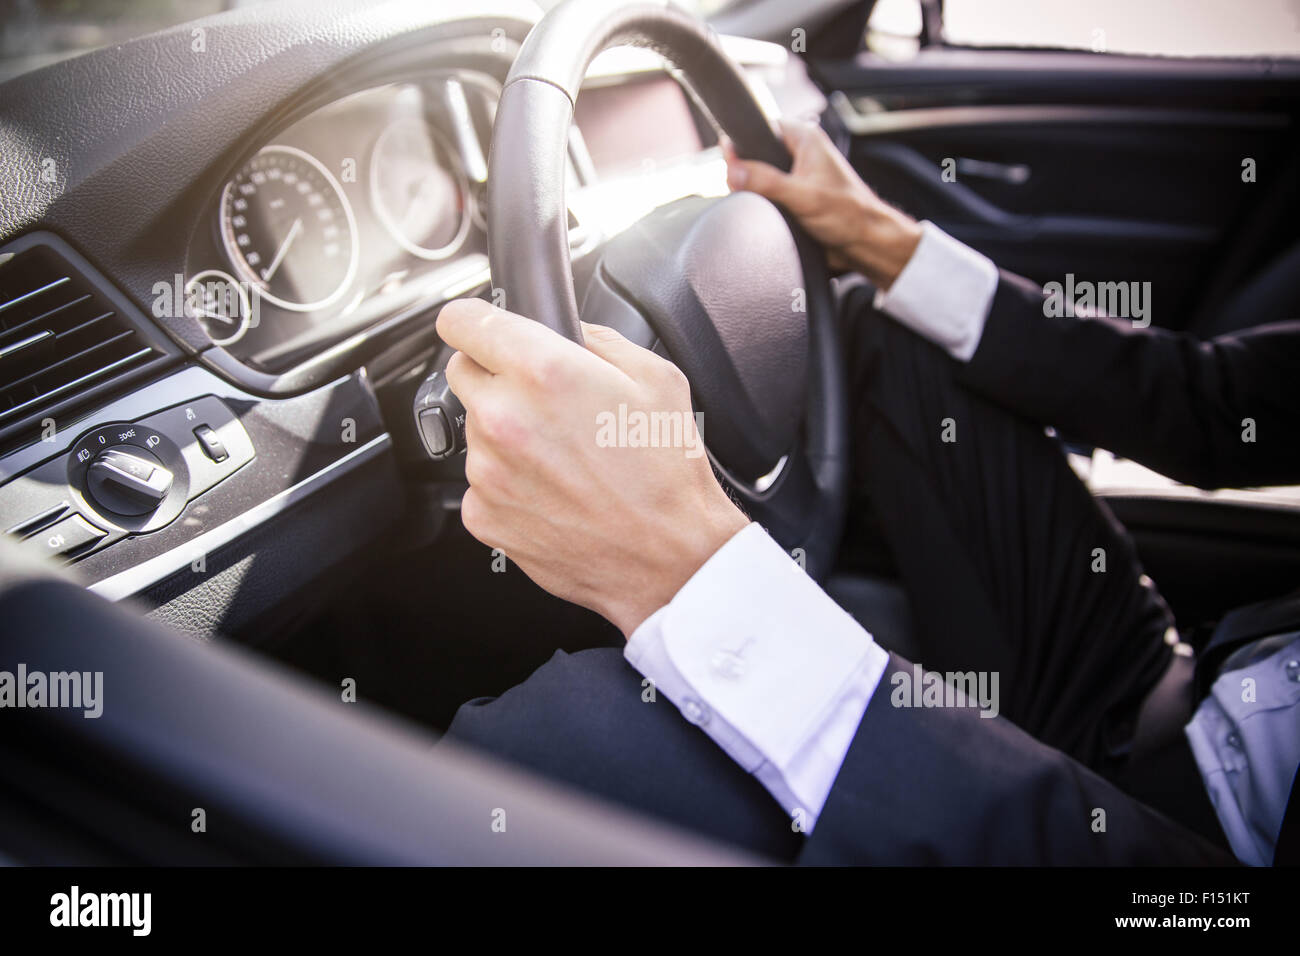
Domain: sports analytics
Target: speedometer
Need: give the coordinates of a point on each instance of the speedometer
(289, 229)
(419, 191)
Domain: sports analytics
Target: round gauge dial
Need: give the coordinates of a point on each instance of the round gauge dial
(419, 191)
(218, 302)
(289, 229)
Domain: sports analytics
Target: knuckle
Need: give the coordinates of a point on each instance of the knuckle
(488, 422)
(497, 424)
(482, 472)
(550, 372)
(600, 333)
(669, 377)
(455, 368)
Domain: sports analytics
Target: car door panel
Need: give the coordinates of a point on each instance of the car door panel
(1055, 163)
(1107, 168)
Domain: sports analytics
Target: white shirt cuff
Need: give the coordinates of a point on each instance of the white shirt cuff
(754, 653)
(943, 293)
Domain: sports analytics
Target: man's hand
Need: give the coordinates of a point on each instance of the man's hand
(588, 510)
(822, 191)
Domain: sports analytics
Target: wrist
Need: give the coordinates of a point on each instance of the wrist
(674, 562)
(886, 241)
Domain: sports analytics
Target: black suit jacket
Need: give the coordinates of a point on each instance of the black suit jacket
(944, 785)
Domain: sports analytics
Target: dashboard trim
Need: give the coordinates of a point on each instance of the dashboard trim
(133, 580)
(180, 386)
(482, 60)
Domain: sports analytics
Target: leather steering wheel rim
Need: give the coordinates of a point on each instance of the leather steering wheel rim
(528, 236)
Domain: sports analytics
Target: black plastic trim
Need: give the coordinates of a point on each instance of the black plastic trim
(27, 429)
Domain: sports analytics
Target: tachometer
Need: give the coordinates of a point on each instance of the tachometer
(419, 191)
(289, 229)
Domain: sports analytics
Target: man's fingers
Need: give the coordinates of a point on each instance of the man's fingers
(758, 177)
(498, 340)
(468, 379)
(618, 351)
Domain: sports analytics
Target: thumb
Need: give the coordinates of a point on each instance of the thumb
(618, 351)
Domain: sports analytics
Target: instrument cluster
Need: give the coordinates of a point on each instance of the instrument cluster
(364, 208)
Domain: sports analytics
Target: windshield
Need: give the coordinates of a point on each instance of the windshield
(37, 32)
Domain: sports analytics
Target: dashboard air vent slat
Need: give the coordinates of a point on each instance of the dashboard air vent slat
(58, 333)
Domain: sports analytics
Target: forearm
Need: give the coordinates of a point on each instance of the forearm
(885, 241)
(1211, 414)
(1208, 413)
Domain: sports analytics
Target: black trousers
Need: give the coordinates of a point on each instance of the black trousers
(1010, 563)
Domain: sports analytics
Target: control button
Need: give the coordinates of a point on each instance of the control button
(127, 480)
(70, 534)
(435, 432)
(212, 446)
(439, 417)
(35, 522)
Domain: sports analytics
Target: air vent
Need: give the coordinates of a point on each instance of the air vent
(60, 335)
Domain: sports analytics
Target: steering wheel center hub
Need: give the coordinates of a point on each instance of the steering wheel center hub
(721, 283)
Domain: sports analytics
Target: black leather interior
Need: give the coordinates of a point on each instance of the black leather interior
(137, 131)
(719, 297)
(1272, 294)
(1131, 166)
(284, 769)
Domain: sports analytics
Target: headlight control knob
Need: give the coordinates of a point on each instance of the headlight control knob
(127, 480)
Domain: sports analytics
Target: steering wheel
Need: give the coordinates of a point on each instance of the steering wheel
(720, 281)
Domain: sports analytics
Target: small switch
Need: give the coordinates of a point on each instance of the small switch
(131, 466)
(36, 522)
(435, 431)
(70, 534)
(212, 445)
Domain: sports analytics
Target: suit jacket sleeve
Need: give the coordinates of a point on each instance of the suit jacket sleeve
(944, 785)
(1181, 406)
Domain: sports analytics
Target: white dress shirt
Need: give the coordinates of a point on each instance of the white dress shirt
(754, 652)
(762, 660)
(943, 293)
(751, 649)
(1245, 737)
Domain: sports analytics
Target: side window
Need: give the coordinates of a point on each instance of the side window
(1152, 27)
(894, 29)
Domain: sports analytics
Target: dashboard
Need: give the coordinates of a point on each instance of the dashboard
(212, 326)
(372, 208)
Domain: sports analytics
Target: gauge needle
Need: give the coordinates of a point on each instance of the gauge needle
(413, 206)
(282, 251)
